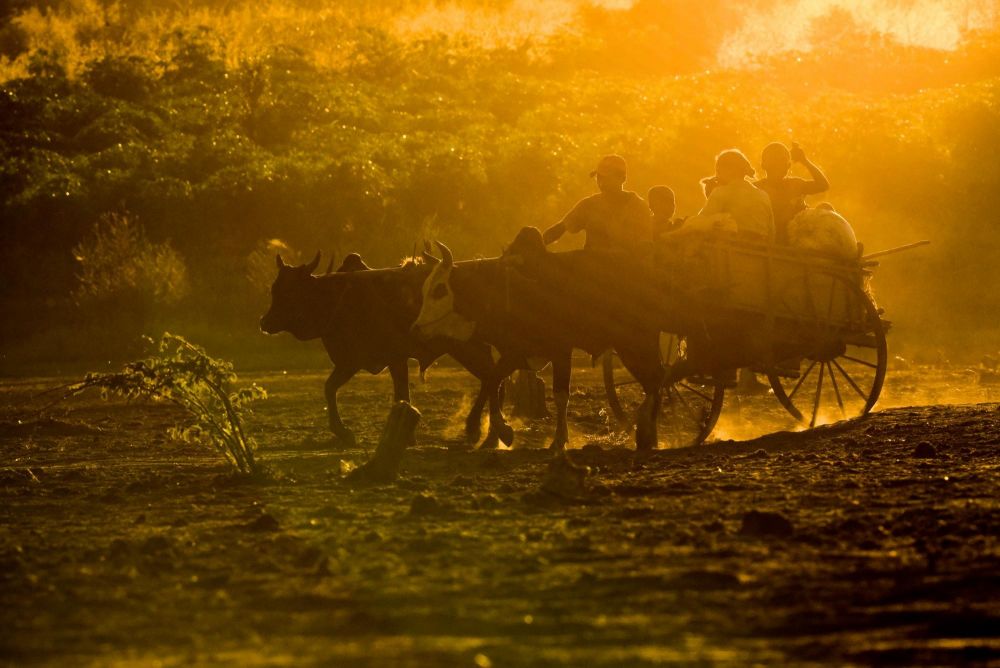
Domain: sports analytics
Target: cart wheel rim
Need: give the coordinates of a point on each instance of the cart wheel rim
(847, 383)
(688, 412)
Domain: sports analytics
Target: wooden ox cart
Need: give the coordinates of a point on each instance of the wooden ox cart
(808, 322)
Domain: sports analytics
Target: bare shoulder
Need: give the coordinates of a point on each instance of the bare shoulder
(634, 198)
(589, 203)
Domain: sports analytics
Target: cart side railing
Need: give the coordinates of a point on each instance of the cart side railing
(785, 289)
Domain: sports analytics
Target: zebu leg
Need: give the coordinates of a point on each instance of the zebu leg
(493, 386)
(400, 381)
(479, 362)
(645, 366)
(337, 378)
(473, 421)
(561, 369)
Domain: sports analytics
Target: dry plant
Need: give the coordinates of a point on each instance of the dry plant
(184, 374)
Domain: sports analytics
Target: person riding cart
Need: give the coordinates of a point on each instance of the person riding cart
(613, 219)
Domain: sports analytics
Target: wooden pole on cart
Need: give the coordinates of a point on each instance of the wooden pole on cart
(897, 249)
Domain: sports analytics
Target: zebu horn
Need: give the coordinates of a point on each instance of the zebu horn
(311, 267)
(449, 259)
(329, 265)
(281, 263)
(427, 255)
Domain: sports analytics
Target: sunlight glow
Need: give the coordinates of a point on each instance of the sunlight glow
(519, 21)
(795, 26)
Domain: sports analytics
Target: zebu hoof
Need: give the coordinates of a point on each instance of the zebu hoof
(492, 442)
(558, 444)
(506, 434)
(645, 439)
(645, 445)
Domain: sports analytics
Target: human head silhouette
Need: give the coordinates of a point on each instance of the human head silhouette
(610, 173)
(661, 201)
(776, 160)
(731, 165)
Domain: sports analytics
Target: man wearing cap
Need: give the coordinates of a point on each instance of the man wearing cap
(614, 219)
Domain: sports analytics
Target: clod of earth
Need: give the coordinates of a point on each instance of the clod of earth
(264, 523)
(425, 504)
(565, 479)
(924, 450)
(766, 524)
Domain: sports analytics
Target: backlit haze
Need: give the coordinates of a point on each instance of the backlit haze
(226, 130)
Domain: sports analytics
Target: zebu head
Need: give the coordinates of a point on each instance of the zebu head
(290, 309)
(438, 317)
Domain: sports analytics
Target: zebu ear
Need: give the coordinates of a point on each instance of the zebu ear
(311, 267)
(449, 259)
(281, 263)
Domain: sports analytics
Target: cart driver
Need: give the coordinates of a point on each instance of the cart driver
(613, 219)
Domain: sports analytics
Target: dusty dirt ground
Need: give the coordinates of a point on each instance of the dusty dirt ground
(875, 540)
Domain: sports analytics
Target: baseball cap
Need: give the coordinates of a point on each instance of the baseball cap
(610, 164)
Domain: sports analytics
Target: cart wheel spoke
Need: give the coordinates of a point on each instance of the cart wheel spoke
(850, 380)
(801, 380)
(860, 361)
(693, 390)
(819, 392)
(836, 390)
(692, 413)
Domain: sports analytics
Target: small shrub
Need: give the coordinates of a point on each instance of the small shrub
(184, 374)
(120, 266)
(198, 56)
(129, 78)
(45, 64)
(120, 125)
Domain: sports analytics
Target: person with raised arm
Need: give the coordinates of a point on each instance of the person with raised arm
(788, 193)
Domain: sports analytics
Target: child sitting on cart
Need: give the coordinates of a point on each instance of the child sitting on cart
(734, 205)
(662, 206)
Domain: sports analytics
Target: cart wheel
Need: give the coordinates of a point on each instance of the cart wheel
(689, 408)
(839, 378)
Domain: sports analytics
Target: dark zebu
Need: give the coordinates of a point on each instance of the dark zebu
(363, 318)
(536, 304)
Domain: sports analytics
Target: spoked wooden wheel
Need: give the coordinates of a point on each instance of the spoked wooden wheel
(839, 376)
(689, 408)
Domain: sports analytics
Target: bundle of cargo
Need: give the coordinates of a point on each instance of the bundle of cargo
(823, 230)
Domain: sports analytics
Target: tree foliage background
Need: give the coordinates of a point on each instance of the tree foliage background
(220, 130)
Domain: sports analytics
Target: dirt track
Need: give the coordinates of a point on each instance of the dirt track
(879, 539)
